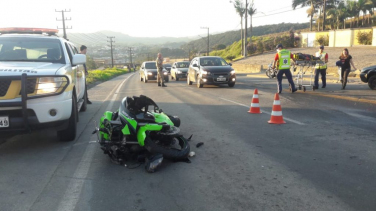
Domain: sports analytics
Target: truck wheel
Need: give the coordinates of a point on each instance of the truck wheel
(372, 82)
(84, 104)
(69, 134)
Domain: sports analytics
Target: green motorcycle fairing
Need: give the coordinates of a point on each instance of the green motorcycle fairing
(143, 128)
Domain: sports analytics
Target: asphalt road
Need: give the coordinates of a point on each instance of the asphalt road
(322, 159)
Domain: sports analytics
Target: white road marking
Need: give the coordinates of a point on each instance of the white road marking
(362, 117)
(73, 192)
(264, 112)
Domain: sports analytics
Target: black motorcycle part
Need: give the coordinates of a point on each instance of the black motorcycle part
(175, 120)
(168, 152)
(153, 162)
(171, 132)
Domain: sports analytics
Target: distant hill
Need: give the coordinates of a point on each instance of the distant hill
(100, 38)
(228, 38)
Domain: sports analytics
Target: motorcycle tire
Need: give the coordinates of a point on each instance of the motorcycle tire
(169, 153)
(268, 73)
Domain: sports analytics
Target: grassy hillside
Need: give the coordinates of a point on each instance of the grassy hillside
(258, 45)
(228, 38)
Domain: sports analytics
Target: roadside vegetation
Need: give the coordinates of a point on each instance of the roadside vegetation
(104, 75)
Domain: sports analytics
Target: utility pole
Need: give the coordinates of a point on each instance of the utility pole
(112, 52)
(207, 53)
(324, 11)
(245, 31)
(130, 54)
(64, 19)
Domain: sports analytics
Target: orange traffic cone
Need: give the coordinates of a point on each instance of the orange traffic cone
(276, 117)
(255, 106)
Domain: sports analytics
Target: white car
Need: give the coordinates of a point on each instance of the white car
(42, 82)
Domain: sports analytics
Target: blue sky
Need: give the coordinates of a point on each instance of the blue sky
(144, 18)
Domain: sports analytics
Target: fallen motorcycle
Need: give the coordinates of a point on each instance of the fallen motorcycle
(135, 132)
(270, 72)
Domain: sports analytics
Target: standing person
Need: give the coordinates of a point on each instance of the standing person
(321, 67)
(159, 64)
(83, 50)
(283, 57)
(346, 60)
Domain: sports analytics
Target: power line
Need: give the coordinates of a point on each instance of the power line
(278, 13)
(112, 53)
(64, 19)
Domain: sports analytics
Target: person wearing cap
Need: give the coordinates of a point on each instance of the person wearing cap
(283, 57)
(320, 68)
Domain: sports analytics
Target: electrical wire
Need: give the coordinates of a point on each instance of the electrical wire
(279, 13)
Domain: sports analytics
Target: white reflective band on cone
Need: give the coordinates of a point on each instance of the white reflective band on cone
(255, 105)
(276, 113)
(277, 102)
(255, 96)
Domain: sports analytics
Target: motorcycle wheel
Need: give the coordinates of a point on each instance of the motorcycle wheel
(268, 74)
(167, 152)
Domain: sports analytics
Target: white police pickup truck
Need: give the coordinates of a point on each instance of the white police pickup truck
(42, 82)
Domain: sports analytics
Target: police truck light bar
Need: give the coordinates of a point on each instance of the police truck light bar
(28, 30)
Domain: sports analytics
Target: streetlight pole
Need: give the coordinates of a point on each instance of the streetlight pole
(207, 53)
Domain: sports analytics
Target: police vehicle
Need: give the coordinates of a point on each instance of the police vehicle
(42, 82)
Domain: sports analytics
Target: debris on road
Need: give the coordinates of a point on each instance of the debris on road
(199, 144)
(191, 154)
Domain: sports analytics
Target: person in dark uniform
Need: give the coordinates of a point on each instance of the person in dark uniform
(283, 57)
(346, 60)
(83, 50)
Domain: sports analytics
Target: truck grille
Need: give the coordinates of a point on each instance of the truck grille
(4, 86)
(30, 86)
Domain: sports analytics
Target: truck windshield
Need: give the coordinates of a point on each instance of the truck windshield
(28, 49)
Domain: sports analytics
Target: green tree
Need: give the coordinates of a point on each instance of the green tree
(304, 3)
(240, 9)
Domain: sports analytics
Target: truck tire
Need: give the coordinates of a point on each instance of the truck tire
(174, 154)
(372, 82)
(69, 134)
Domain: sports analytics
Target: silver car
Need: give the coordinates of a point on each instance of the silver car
(148, 71)
(179, 70)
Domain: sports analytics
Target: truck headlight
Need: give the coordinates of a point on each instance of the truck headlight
(51, 85)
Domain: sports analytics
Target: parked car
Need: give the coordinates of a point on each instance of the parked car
(368, 75)
(167, 67)
(179, 70)
(42, 82)
(148, 71)
(211, 70)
